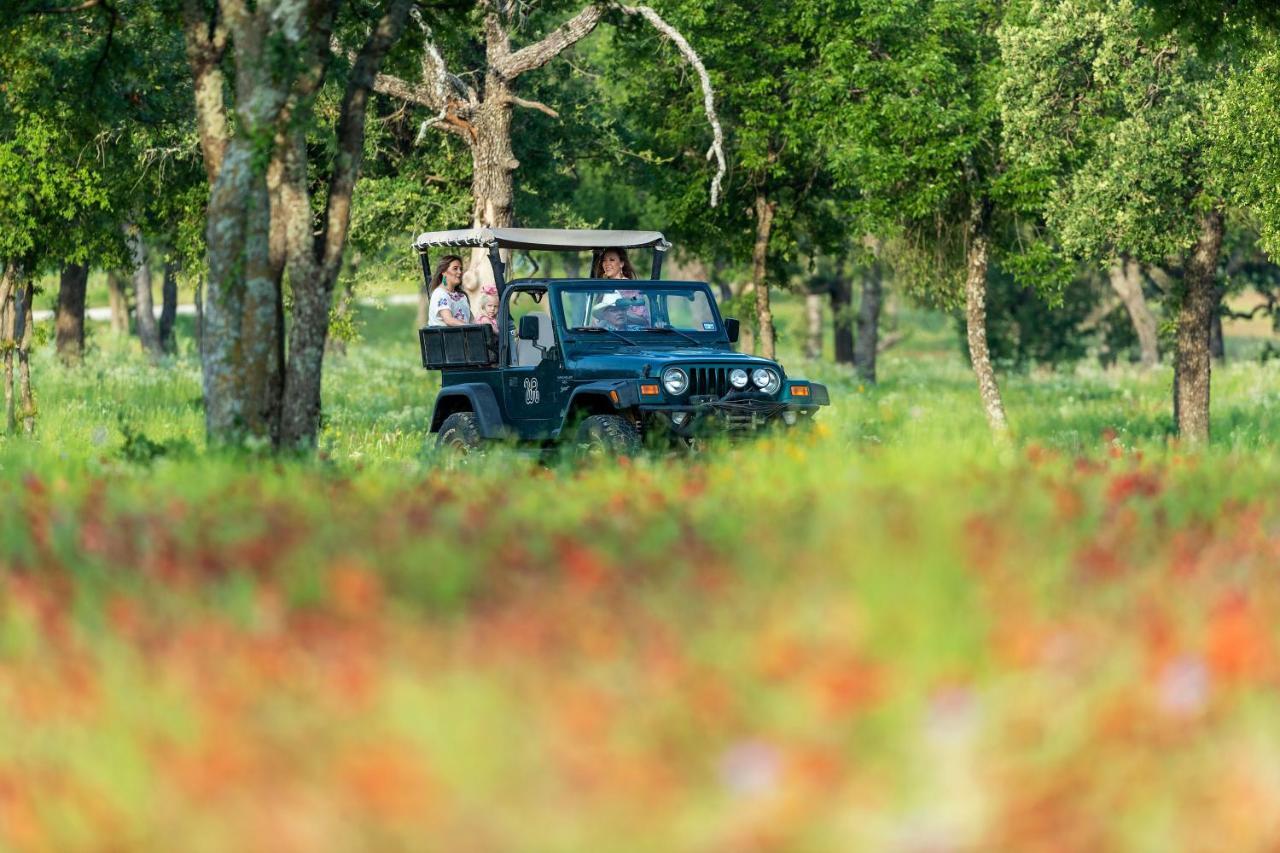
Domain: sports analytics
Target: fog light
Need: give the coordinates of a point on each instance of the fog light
(738, 378)
(789, 418)
(679, 418)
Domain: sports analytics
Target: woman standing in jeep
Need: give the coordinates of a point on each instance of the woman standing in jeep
(449, 303)
(613, 263)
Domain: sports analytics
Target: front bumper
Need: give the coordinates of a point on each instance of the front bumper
(738, 411)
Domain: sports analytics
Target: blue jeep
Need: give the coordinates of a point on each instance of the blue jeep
(606, 364)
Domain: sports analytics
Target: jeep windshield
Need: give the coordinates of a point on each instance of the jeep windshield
(674, 313)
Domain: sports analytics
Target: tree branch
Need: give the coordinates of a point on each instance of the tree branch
(68, 10)
(708, 96)
(413, 93)
(531, 105)
(434, 90)
(350, 133)
(512, 65)
(447, 116)
(206, 40)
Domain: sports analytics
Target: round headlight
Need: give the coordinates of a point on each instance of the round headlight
(738, 378)
(766, 380)
(675, 380)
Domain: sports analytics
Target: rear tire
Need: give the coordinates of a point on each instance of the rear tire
(459, 438)
(608, 435)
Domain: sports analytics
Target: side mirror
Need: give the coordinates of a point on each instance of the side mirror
(528, 330)
(731, 327)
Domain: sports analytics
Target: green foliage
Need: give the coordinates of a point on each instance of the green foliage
(918, 112)
(1111, 127)
(917, 138)
(139, 448)
(43, 191)
(1024, 328)
(95, 131)
(1246, 137)
(1215, 23)
(771, 72)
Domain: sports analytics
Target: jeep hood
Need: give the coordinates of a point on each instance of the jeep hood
(632, 362)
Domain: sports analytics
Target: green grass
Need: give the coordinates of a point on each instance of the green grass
(886, 634)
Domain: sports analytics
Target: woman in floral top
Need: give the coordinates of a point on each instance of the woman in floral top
(449, 303)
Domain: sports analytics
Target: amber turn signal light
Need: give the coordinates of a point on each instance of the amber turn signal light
(650, 390)
(799, 390)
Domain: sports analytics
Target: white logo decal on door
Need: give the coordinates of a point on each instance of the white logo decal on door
(531, 395)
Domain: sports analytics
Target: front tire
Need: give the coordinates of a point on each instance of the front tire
(459, 438)
(608, 435)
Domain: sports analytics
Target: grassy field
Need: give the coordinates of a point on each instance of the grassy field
(884, 635)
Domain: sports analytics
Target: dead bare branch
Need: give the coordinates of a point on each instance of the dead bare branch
(708, 96)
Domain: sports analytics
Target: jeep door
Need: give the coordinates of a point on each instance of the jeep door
(534, 383)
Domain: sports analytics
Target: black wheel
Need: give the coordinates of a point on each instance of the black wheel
(608, 435)
(459, 437)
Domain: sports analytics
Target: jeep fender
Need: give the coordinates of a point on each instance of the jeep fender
(595, 397)
(469, 397)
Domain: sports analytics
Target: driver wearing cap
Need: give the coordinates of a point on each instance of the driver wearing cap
(616, 312)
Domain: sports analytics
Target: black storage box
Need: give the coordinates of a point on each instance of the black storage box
(458, 346)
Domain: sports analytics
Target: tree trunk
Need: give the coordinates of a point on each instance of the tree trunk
(572, 265)
(868, 341)
(241, 351)
(69, 325)
(280, 51)
(1217, 344)
(975, 315)
(10, 354)
(1126, 280)
(300, 414)
(144, 306)
(168, 307)
(119, 303)
(23, 334)
(842, 319)
(198, 298)
(742, 294)
(1195, 317)
(493, 161)
(8, 283)
(813, 325)
(316, 259)
(337, 345)
(764, 210)
(346, 299)
(424, 305)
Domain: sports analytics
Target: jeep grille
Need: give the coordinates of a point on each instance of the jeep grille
(705, 381)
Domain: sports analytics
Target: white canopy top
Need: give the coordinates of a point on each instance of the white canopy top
(554, 239)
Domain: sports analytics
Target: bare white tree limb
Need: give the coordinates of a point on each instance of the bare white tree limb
(708, 96)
